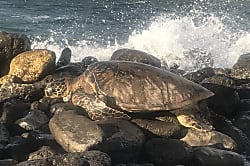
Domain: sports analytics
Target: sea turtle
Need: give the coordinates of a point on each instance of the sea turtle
(115, 88)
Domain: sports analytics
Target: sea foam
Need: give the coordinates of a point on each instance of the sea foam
(167, 38)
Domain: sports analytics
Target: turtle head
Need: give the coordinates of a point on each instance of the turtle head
(57, 88)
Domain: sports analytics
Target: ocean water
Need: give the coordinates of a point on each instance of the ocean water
(167, 29)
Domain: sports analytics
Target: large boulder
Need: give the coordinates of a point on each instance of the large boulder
(74, 132)
(31, 66)
(10, 46)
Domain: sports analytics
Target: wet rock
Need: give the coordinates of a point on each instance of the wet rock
(219, 80)
(242, 121)
(122, 140)
(31, 66)
(42, 153)
(34, 120)
(170, 152)
(136, 56)
(207, 156)
(136, 164)
(159, 128)
(11, 45)
(88, 60)
(197, 138)
(200, 75)
(75, 133)
(222, 71)
(243, 91)
(8, 162)
(225, 101)
(241, 69)
(64, 59)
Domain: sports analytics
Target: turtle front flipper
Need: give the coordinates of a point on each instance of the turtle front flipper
(96, 108)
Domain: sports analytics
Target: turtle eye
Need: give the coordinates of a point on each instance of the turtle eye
(48, 92)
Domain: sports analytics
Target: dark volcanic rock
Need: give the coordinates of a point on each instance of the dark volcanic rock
(162, 152)
(75, 133)
(241, 70)
(10, 46)
(207, 156)
(64, 59)
(34, 120)
(225, 101)
(4, 134)
(8, 162)
(242, 121)
(200, 75)
(122, 140)
(136, 56)
(225, 126)
(220, 80)
(69, 159)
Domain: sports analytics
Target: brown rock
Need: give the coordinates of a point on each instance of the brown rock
(34, 65)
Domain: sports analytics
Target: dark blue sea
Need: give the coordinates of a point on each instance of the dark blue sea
(218, 29)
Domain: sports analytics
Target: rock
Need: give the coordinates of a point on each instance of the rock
(136, 56)
(225, 126)
(11, 45)
(207, 156)
(97, 158)
(61, 107)
(31, 66)
(242, 121)
(122, 140)
(8, 162)
(42, 153)
(159, 128)
(171, 152)
(4, 135)
(200, 75)
(20, 147)
(64, 59)
(13, 110)
(63, 160)
(34, 120)
(88, 60)
(225, 101)
(9, 78)
(75, 133)
(241, 69)
(197, 138)
(243, 91)
(219, 80)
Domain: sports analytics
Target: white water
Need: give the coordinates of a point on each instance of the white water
(168, 39)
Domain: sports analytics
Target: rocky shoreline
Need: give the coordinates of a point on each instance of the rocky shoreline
(36, 130)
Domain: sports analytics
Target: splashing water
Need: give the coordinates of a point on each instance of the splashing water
(168, 39)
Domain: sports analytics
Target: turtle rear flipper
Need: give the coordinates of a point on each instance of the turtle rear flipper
(192, 122)
(96, 108)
